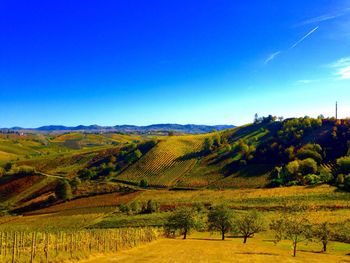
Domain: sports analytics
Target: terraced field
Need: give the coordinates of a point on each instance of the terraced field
(166, 163)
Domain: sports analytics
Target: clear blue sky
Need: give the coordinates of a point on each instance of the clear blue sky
(143, 62)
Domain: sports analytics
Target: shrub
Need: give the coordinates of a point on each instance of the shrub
(75, 182)
(63, 190)
(305, 153)
(292, 167)
(340, 179)
(22, 170)
(344, 164)
(347, 182)
(311, 179)
(8, 166)
(86, 174)
(325, 176)
(151, 207)
(208, 144)
(136, 207)
(308, 166)
(143, 183)
(124, 208)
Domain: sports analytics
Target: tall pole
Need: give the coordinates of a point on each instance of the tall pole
(336, 110)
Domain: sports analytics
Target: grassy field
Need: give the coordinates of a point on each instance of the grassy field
(204, 247)
(324, 203)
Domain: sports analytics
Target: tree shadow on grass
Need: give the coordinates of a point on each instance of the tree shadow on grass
(257, 253)
(205, 239)
(313, 251)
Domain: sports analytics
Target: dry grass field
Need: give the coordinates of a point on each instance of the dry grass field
(203, 247)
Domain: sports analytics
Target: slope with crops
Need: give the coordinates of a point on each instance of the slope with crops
(166, 163)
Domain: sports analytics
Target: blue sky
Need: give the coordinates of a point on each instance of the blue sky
(143, 62)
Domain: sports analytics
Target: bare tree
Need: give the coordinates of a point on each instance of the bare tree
(323, 233)
(249, 224)
(294, 227)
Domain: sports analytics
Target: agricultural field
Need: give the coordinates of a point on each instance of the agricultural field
(166, 163)
(59, 245)
(323, 204)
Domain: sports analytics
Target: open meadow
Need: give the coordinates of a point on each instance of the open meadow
(204, 247)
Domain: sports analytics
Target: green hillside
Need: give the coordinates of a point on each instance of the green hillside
(267, 153)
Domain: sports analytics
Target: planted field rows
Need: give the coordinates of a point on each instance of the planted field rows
(86, 203)
(59, 246)
(166, 163)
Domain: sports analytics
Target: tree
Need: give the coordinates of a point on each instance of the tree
(151, 207)
(292, 168)
(347, 182)
(340, 179)
(143, 183)
(344, 164)
(296, 228)
(134, 156)
(323, 233)
(256, 118)
(220, 219)
(74, 183)
(208, 144)
(124, 208)
(8, 166)
(303, 154)
(135, 207)
(183, 219)
(63, 190)
(249, 224)
(308, 166)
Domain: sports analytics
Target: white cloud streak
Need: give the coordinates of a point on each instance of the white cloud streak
(272, 57)
(325, 17)
(304, 37)
(305, 81)
(342, 67)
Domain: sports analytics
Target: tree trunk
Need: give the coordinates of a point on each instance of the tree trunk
(324, 246)
(185, 234)
(295, 249)
(245, 239)
(223, 235)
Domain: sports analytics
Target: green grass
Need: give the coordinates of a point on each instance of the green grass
(122, 220)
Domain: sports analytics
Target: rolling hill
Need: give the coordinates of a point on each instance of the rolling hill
(267, 153)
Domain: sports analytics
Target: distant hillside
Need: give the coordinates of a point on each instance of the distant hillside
(268, 153)
(188, 128)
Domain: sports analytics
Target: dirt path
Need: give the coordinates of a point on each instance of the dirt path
(209, 250)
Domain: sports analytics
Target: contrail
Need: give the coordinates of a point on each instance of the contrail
(302, 39)
(272, 57)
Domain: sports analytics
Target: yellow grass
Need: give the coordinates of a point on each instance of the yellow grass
(236, 194)
(5, 156)
(206, 248)
(47, 222)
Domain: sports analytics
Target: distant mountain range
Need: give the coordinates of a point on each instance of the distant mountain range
(188, 128)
